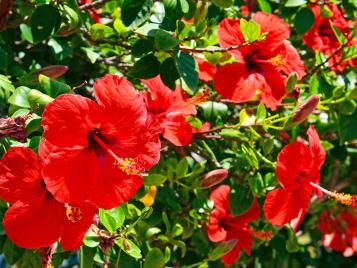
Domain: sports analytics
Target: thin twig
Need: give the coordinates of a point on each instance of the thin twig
(93, 4)
(214, 49)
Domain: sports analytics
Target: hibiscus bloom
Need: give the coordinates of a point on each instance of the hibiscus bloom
(321, 36)
(297, 166)
(339, 231)
(262, 67)
(98, 151)
(170, 108)
(36, 219)
(93, 12)
(223, 226)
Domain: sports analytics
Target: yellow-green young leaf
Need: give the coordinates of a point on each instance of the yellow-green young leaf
(100, 30)
(155, 258)
(112, 219)
(129, 247)
(120, 28)
(91, 241)
(20, 97)
(181, 168)
(38, 100)
(291, 82)
(295, 3)
(261, 112)
(264, 6)
(250, 30)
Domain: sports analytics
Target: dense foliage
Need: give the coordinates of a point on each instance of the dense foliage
(178, 133)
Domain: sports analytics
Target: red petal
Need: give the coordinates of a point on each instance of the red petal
(293, 158)
(20, 175)
(216, 233)
(36, 223)
(318, 152)
(281, 206)
(233, 82)
(229, 34)
(113, 187)
(73, 233)
(68, 119)
(271, 85)
(244, 242)
(70, 173)
(278, 31)
(177, 130)
(206, 70)
(117, 93)
(220, 197)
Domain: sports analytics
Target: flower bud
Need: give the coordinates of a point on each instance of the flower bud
(13, 128)
(52, 71)
(214, 177)
(305, 109)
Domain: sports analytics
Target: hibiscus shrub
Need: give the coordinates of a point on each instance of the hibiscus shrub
(178, 133)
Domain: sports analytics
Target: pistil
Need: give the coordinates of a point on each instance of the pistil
(346, 199)
(127, 164)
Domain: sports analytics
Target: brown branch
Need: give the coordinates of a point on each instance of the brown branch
(93, 4)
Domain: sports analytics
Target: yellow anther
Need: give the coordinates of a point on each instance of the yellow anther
(278, 60)
(346, 199)
(201, 97)
(74, 214)
(128, 165)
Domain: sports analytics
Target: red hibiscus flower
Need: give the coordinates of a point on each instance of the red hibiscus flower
(298, 166)
(339, 231)
(206, 70)
(170, 108)
(262, 67)
(97, 151)
(36, 219)
(321, 36)
(223, 226)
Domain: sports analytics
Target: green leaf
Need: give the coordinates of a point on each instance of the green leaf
(147, 67)
(221, 250)
(155, 179)
(169, 73)
(112, 219)
(129, 247)
(295, 3)
(261, 112)
(91, 241)
(187, 68)
(164, 40)
(131, 9)
(26, 33)
(291, 82)
(155, 258)
(19, 97)
(304, 20)
(339, 35)
(256, 183)
(38, 100)
(185, 7)
(142, 47)
(91, 54)
(99, 31)
(349, 52)
(264, 6)
(211, 110)
(240, 199)
(194, 122)
(52, 87)
(223, 3)
(168, 197)
(347, 107)
(181, 168)
(87, 257)
(250, 30)
(45, 21)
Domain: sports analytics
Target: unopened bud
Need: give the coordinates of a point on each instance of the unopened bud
(305, 109)
(52, 71)
(13, 128)
(214, 177)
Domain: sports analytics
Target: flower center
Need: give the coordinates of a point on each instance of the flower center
(74, 214)
(128, 165)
